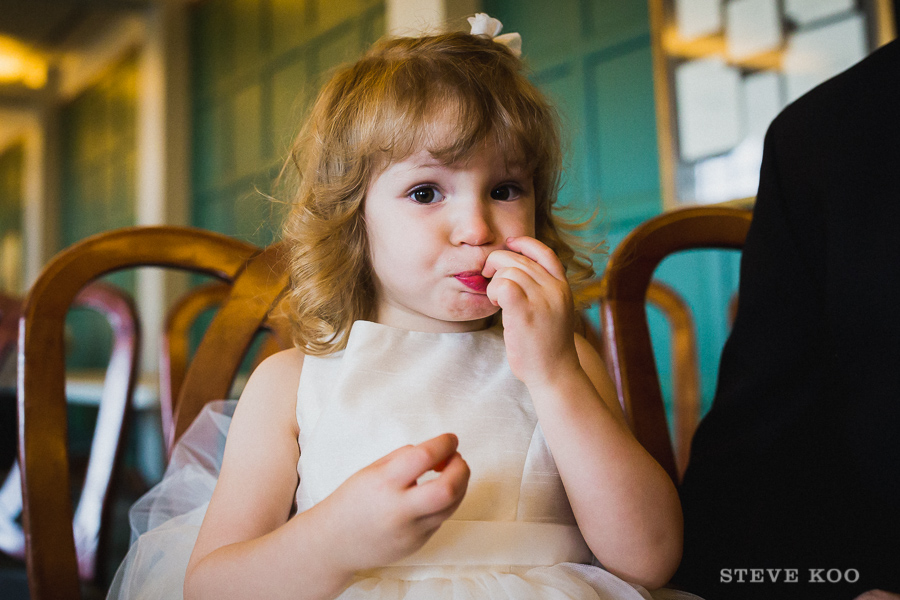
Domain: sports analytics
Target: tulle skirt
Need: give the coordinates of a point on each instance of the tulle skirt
(166, 520)
(165, 523)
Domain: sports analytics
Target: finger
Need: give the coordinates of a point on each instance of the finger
(405, 465)
(505, 259)
(431, 523)
(443, 492)
(506, 292)
(434, 520)
(539, 253)
(500, 260)
(524, 279)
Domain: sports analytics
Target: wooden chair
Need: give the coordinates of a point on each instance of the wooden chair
(685, 369)
(175, 346)
(624, 313)
(257, 278)
(91, 521)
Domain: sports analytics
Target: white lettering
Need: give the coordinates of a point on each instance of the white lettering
(762, 575)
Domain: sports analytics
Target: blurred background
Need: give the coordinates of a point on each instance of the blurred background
(116, 113)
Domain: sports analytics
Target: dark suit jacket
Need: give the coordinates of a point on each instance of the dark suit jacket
(797, 464)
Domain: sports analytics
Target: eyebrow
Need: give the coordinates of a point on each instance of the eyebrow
(513, 169)
(431, 164)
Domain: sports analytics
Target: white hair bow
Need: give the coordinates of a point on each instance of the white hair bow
(482, 24)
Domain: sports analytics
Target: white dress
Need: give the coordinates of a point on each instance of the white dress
(513, 536)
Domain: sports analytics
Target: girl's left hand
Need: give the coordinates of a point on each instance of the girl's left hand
(528, 282)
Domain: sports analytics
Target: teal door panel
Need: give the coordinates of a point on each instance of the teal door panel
(248, 149)
(208, 165)
(292, 91)
(623, 155)
(12, 202)
(291, 23)
(550, 30)
(247, 33)
(257, 64)
(98, 186)
(614, 21)
(562, 84)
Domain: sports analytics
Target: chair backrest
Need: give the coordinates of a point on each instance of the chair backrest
(685, 368)
(685, 408)
(624, 313)
(92, 513)
(258, 278)
(174, 349)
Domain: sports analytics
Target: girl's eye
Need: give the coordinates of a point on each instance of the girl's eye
(505, 192)
(426, 195)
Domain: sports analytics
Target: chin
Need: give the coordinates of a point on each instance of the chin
(474, 313)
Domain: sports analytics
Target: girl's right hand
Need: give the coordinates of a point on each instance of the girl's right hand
(381, 514)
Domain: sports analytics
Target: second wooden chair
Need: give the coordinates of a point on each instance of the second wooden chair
(174, 349)
(626, 334)
(257, 279)
(685, 370)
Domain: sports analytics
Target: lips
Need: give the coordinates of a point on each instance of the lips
(473, 280)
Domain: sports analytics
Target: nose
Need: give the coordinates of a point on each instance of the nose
(473, 223)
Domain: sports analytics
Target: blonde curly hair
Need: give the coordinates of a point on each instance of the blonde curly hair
(380, 110)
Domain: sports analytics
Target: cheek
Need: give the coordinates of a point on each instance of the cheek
(526, 222)
(382, 234)
(399, 254)
(527, 217)
(532, 230)
(516, 221)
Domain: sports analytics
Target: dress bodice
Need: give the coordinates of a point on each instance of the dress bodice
(392, 387)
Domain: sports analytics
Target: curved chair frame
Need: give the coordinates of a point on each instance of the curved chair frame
(258, 279)
(683, 342)
(624, 313)
(174, 349)
(685, 368)
(94, 504)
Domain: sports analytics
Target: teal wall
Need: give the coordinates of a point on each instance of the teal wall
(98, 186)
(12, 172)
(593, 58)
(256, 65)
(99, 147)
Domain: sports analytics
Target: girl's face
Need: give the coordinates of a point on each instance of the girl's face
(431, 227)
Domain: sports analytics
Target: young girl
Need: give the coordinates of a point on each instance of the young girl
(439, 432)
